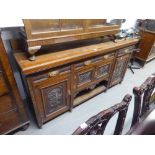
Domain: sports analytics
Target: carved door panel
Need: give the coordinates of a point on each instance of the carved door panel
(103, 69)
(52, 97)
(84, 77)
(119, 70)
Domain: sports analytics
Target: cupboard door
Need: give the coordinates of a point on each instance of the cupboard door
(51, 98)
(119, 70)
(103, 69)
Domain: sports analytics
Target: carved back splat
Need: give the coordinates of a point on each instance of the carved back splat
(142, 96)
(97, 124)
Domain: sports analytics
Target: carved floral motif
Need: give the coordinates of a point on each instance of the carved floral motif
(84, 77)
(117, 75)
(54, 98)
(103, 70)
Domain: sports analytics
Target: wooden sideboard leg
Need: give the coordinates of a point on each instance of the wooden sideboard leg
(32, 51)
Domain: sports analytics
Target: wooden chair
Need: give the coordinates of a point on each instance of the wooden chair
(96, 124)
(143, 122)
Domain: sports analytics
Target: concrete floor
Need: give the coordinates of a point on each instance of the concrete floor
(66, 123)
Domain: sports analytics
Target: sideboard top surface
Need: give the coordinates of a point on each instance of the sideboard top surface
(54, 59)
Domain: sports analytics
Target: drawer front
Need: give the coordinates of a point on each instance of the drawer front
(92, 62)
(3, 86)
(51, 97)
(53, 73)
(9, 121)
(126, 50)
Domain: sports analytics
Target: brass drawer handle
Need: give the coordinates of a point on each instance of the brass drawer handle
(106, 56)
(126, 51)
(53, 73)
(87, 62)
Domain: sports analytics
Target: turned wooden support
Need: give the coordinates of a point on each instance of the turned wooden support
(32, 51)
(112, 37)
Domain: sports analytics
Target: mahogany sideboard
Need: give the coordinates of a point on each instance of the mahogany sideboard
(12, 110)
(64, 78)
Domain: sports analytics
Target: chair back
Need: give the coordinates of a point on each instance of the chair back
(97, 124)
(142, 98)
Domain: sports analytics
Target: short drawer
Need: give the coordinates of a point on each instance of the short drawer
(126, 50)
(51, 74)
(93, 61)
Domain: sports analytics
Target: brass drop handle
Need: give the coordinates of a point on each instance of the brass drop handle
(87, 62)
(53, 73)
(106, 57)
(127, 50)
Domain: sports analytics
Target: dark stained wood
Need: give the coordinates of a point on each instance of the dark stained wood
(12, 110)
(142, 96)
(97, 124)
(143, 122)
(146, 46)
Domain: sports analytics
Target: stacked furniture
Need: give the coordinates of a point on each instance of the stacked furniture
(12, 111)
(76, 61)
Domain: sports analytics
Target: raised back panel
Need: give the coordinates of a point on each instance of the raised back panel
(69, 24)
(95, 22)
(44, 25)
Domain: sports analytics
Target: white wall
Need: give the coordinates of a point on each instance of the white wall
(11, 22)
(128, 24)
